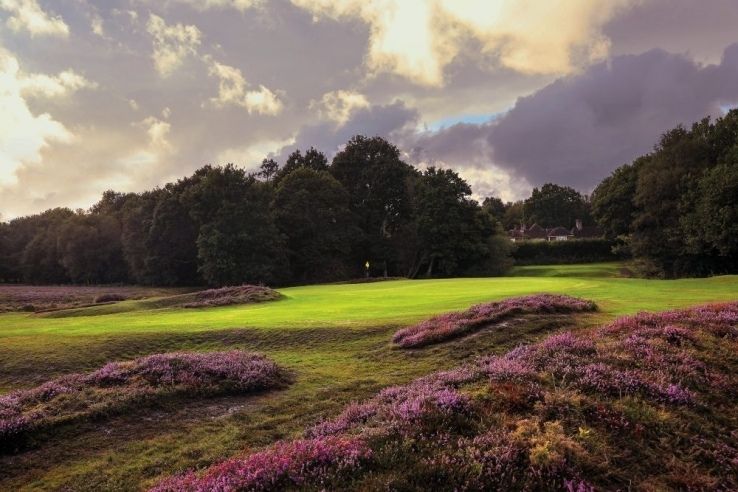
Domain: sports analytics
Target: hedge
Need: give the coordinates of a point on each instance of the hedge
(559, 252)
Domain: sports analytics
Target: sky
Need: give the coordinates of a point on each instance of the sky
(131, 94)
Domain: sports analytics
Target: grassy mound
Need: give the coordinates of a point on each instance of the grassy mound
(119, 385)
(39, 298)
(226, 296)
(451, 325)
(646, 402)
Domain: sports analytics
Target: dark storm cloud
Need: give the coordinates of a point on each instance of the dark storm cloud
(384, 121)
(578, 129)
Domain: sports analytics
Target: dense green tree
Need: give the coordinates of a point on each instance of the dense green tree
(453, 232)
(495, 207)
(514, 215)
(553, 205)
(268, 170)
(312, 211)
(90, 249)
(312, 159)
(171, 251)
(237, 241)
(377, 181)
(613, 200)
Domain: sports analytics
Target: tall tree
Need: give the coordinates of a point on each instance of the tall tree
(553, 205)
(454, 232)
(613, 200)
(313, 159)
(238, 241)
(377, 181)
(312, 211)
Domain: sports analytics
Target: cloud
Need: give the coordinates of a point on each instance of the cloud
(27, 15)
(172, 43)
(578, 129)
(221, 4)
(232, 90)
(418, 39)
(66, 83)
(23, 134)
(339, 105)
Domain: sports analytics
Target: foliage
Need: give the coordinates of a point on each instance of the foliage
(311, 209)
(306, 222)
(238, 241)
(227, 296)
(562, 252)
(455, 324)
(678, 204)
(119, 385)
(553, 205)
(627, 405)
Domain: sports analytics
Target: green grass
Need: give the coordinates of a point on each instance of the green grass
(334, 337)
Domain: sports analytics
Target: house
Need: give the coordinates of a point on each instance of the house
(558, 234)
(536, 232)
(586, 232)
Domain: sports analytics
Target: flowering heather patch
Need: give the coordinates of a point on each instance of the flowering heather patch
(38, 298)
(286, 465)
(120, 384)
(629, 405)
(451, 325)
(225, 296)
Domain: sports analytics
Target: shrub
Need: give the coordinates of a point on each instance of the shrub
(109, 298)
(451, 325)
(118, 385)
(225, 296)
(573, 413)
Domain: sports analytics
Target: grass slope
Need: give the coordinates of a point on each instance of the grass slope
(335, 338)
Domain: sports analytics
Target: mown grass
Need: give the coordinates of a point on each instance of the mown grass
(334, 337)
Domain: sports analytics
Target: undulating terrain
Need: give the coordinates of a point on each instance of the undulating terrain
(333, 345)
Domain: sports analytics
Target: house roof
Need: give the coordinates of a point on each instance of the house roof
(587, 232)
(535, 231)
(558, 231)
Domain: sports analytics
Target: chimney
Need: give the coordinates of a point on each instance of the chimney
(579, 224)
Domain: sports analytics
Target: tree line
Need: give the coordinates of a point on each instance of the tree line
(676, 208)
(305, 221)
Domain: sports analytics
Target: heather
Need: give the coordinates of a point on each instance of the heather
(119, 386)
(645, 402)
(455, 324)
(39, 298)
(225, 296)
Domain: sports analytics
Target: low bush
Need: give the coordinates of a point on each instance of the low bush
(109, 298)
(118, 385)
(225, 296)
(451, 325)
(646, 402)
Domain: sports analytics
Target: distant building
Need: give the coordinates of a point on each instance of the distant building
(538, 233)
(586, 232)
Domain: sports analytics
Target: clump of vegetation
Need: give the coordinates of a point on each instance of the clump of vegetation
(119, 385)
(104, 298)
(42, 298)
(599, 411)
(226, 296)
(452, 325)
(286, 464)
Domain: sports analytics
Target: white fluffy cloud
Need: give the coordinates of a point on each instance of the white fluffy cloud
(339, 105)
(233, 90)
(172, 43)
(207, 4)
(23, 134)
(27, 15)
(65, 83)
(418, 39)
